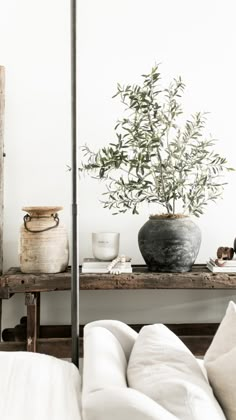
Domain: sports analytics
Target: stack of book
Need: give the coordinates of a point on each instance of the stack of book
(222, 266)
(92, 265)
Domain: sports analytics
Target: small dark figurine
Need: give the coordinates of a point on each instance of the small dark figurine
(225, 253)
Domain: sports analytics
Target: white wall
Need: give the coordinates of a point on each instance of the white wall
(118, 40)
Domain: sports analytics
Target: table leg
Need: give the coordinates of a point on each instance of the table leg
(32, 301)
(38, 314)
(0, 320)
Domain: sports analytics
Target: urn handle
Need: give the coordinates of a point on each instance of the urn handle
(27, 218)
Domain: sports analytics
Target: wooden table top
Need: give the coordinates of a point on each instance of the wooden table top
(13, 281)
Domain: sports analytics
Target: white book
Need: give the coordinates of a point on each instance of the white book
(104, 270)
(227, 263)
(91, 265)
(93, 262)
(216, 269)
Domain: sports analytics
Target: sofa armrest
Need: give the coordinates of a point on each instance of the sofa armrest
(37, 386)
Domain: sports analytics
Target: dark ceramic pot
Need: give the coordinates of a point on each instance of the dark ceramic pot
(169, 244)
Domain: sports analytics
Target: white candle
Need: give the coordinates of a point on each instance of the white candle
(105, 245)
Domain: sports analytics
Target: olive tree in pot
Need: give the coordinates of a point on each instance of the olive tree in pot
(158, 158)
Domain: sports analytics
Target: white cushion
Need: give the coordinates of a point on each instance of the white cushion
(105, 363)
(124, 334)
(107, 346)
(123, 404)
(220, 363)
(161, 367)
(38, 387)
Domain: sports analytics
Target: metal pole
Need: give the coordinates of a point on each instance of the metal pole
(74, 264)
(2, 112)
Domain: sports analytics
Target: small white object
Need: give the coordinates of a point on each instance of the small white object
(105, 245)
(111, 268)
(92, 265)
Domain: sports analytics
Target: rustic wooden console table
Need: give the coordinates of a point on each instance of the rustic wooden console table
(56, 340)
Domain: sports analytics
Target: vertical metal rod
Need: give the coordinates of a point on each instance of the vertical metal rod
(74, 264)
(2, 112)
(2, 109)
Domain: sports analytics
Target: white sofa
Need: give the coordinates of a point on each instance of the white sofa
(126, 376)
(107, 370)
(38, 387)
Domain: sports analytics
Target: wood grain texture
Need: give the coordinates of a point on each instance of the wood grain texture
(197, 337)
(0, 320)
(19, 332)
(199, 278)
(17, 282)
(58, 347)
(61, 347)
(13, 346)
(2, 110)
(32, 321)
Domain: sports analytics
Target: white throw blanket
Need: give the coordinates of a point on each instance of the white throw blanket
(38, 387)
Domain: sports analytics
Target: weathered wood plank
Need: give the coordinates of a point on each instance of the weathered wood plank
(5, 293)
(0, 320)
(141, 278)
(64, 331)
(58, 347)
(13, 346)
(32, 321)
(194, 329)
(18, 333)
(198, 345)
(191, 329)
(61, 347)
(147, 280)
(37, 315)
(2, 110)
(16, 282)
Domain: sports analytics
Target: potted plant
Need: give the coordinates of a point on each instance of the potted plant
(156, 159)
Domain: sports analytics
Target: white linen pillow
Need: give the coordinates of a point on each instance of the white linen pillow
(162, 367)
(105, 363)
(122, 404)
(220, 362)
(225, 337)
